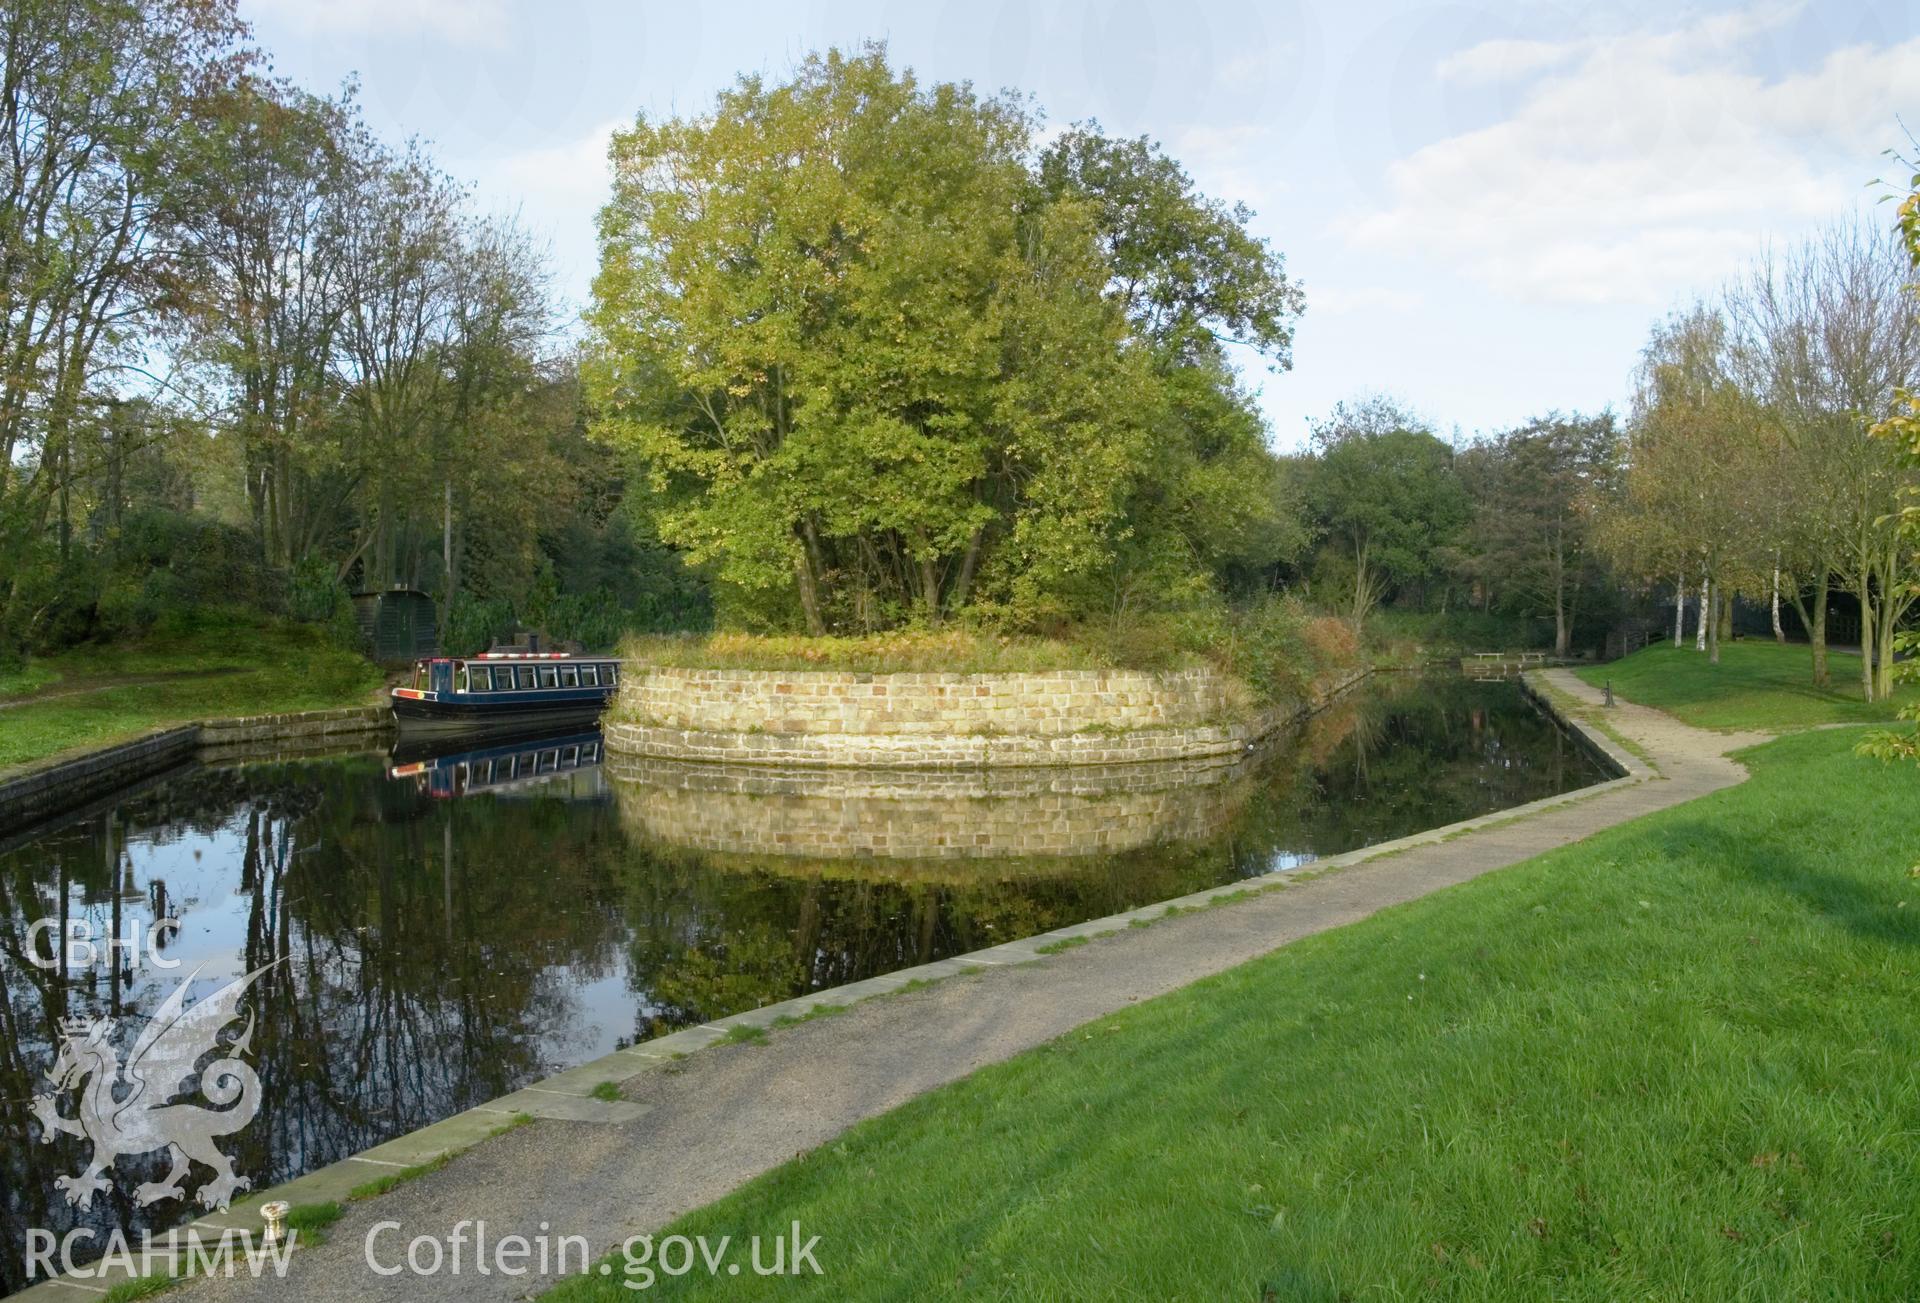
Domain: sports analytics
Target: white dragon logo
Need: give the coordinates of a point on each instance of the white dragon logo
(146, 1118)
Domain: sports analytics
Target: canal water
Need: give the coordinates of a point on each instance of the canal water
(440, 929)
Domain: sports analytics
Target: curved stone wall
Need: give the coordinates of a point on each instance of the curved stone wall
(938, 721)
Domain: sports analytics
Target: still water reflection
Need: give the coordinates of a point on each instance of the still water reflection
(457, 926)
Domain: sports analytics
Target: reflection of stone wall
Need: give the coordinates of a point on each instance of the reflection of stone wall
(850, 814)
(1068, 717)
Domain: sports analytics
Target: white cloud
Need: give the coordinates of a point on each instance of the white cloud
(1502, 60)
(1360, 300)
(556, 190)
(571, 176)
(1642, 162)
(472, 22)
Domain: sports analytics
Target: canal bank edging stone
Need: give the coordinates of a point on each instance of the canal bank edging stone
(51, 790)
(569, 1096)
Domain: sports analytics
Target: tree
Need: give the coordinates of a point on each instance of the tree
(879, 368)
(100, 105)
(1901, 431)
(265, 213)
(1699, 458)
(1826, 337)
(1384, 492)
(1533, 513)
(1214, 505)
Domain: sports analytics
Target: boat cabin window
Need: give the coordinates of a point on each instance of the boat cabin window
(589, 676)
(503, 678)
(613, 674)
(549, 676)
(569, 676)
(419, 676)
(526, 676)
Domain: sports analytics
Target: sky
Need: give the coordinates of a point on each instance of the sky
(1487, 205)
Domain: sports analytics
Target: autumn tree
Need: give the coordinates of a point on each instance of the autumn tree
(1900, 431)
(1699, 456)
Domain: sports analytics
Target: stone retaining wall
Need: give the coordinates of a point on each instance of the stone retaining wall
(950, 721)
(301, 726)
(828, 702)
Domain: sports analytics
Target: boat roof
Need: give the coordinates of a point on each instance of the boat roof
(535, 656)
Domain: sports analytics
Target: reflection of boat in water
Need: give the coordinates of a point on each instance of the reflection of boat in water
(516, 689)
(505, 766)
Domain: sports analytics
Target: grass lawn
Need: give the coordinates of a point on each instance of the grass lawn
(1757, 684)
(209, 668)
(1678, 1059)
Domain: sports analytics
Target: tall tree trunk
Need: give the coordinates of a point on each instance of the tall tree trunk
(929, 572)
(963, 584)
(446, 550)
(1894, 604)
(1779, 634)
(1883, 662)
(807, 578)
(1700, 623)
(1864, 590)
(1679, 610)
(1815, 623)
(1713, 626)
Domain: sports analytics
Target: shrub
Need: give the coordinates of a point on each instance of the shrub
(474, 623)
(1331, 643)
(163, 562)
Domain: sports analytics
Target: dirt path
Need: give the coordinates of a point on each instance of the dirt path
(722, 1116)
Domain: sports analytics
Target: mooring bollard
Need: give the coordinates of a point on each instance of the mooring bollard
(275, 1214)
(1609, 692)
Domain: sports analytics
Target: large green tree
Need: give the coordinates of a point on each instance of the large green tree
(1384, 492)
(879, 367)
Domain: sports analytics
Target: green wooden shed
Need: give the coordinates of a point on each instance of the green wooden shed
(396, 625)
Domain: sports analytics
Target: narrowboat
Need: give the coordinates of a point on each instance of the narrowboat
(504, 688)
